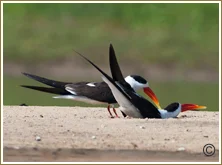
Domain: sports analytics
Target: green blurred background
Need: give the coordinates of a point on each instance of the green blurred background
(174, 46)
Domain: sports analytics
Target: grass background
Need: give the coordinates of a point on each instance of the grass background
(179, 36)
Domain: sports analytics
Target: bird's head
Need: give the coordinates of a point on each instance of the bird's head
(138, 83)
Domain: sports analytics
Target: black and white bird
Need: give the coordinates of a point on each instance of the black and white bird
(131, 103)
(91, 92)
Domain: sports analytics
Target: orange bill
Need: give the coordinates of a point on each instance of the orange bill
(153, 97)
(187, 107)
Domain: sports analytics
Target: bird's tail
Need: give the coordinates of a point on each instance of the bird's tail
(52, 83)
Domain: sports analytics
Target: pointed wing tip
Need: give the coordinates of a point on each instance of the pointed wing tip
(25, 86)
(80, 54)
(111, 47)
(26, 74)
(75, 51)
(111, 51)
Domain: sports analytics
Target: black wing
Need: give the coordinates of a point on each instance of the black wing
(52, 83)
(47, 89)
(115, 69)
(118, 76)
(104, 74)
(100, 92)
(146, 108)
(58, 87)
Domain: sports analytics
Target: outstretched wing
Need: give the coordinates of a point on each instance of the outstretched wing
(146, 108)
(115, 69)
(128, 96)
(52, 83)
(58, 91)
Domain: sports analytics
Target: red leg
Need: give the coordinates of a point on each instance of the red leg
(114, 110)
(108, 108)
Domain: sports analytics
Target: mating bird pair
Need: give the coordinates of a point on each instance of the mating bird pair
(114, 90)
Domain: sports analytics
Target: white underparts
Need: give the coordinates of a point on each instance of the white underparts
(79, 98)
(125, 105)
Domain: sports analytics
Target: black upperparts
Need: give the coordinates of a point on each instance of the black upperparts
(114, 66)
(172, 107)
(115, 69)
(58, 91)
(105, 75)
(146, 108)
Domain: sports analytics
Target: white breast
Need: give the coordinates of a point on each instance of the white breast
(125, 105)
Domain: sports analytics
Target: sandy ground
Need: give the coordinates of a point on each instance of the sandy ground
(89, 134)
